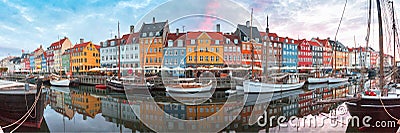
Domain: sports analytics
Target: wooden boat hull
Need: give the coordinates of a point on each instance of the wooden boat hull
(371, 106)
(258, 87)
(61, 83)
(13, 107)
(115, 86)
(317, 80)
(338, 80)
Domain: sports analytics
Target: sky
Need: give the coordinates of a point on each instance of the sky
(27, 24)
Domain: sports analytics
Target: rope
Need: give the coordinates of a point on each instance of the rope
(387, 112)
(25, 115)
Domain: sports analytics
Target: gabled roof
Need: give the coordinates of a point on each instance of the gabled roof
(152, 27)
(212, 35)
(232, 38)
(58, 44)
(246, 31)
(174, 37)
(313, 43)
(133, 38)
(83, 45)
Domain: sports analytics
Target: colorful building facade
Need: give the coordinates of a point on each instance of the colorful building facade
(85, 56)
(204, 49)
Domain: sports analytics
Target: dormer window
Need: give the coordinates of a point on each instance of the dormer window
(245, 39)
(144, 35)
(271, 38)
(170, 43)
(158, 33)
(151, 34)
(228, 41)
(236, 41)
(216, 42)
(257, 40)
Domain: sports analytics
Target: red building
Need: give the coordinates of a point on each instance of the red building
(305, 55)
(327, 54)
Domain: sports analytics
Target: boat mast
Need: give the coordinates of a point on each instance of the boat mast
(119, 54)
(251, 43)
(394, 43)
(381, 73)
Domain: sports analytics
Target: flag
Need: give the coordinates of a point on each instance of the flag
(22, 50)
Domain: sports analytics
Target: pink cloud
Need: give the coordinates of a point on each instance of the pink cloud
(208, 22)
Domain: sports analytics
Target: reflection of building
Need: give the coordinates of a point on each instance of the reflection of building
(120, 112)
(86, 104)
(61, 102)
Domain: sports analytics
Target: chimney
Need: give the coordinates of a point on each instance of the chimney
(218, 28)
(329, 38)
(177, 31)
(154, 20)
(132, 29)
(247, 23)
(115, 36)
(81, 40)
(267, 31)
(65, 37)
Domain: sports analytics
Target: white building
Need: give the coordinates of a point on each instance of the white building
(359, 57)
(129, 51)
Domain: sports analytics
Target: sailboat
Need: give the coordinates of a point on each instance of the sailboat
(384, 104)
(113, 83)
(287, 83)
(57, 80)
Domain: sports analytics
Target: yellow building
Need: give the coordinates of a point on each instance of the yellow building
(85, 103)
(204, 49)
(85, 56)
(38, 58)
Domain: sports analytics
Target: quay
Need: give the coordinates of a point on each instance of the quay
(91, 80)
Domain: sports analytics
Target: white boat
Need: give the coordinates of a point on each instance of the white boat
(115, 85)
(317, 80)
(60, 82)
(259, 87)
(337, 80)
(189, 87)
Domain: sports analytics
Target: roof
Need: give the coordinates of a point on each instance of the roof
(174, 37)
(58, 44)
(83, 45)
(213, 35)
(152, 27)
(246, 31)
(314, 43)
(232, 38)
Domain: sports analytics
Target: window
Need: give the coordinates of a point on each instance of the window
(151, 34)
(190, 58)
(192, 41)
(206, 58)
(217, 50)
(180, 43)
(190, 50)
(170, 43)
(236, 41)
(144, 35)
(212, 58)
(201, 58)
(216, 58)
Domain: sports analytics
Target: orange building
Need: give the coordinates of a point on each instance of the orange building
(85, 103)
(151, 40)
(85, 56)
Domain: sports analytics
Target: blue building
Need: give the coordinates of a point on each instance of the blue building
(44, 62)
(32, 61)
(289, 55)
(177, 110)
(175, 53)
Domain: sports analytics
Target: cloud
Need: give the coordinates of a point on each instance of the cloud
(133, 4)
(22, 10)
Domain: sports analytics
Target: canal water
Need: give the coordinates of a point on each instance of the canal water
(87, 109)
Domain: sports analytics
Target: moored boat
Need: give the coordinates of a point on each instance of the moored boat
(15, 101)
(101, 86)
(60, 82)
(259, 87)
(189, 87)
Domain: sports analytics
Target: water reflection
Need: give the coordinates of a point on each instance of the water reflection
(87, 109)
